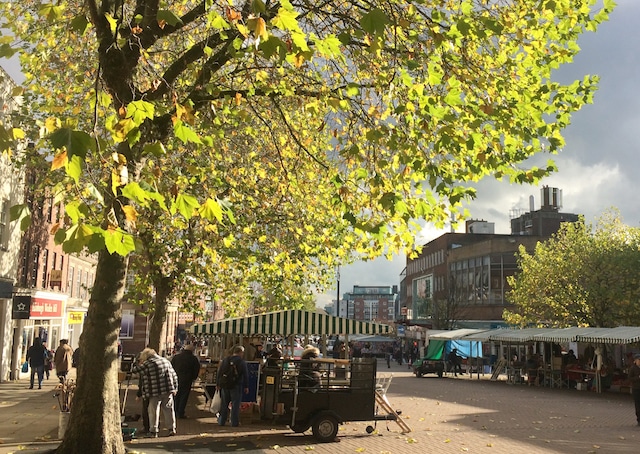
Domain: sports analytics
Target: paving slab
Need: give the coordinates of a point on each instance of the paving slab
(446, 415)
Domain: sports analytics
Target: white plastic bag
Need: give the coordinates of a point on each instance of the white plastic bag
(216, 403)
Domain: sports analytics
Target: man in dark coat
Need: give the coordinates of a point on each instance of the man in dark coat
(35, 355)
(187, 366)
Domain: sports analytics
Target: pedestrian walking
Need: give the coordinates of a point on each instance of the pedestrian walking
(159, 386)
(187, 366)
(35, 356)
(63, 359)
(231, 381)
(634, 379)
(48, 360)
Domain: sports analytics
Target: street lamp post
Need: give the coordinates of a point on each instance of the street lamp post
(338, 292)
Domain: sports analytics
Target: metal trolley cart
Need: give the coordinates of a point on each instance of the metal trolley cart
(321, 394)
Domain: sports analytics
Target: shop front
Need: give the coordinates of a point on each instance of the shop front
(37, 315)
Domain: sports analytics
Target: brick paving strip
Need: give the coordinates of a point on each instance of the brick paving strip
(446, 415)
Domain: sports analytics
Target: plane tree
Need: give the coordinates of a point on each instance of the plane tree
(391, 108)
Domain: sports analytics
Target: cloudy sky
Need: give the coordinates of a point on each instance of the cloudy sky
(598, 168)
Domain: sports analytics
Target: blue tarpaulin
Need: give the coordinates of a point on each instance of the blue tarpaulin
(466, 349)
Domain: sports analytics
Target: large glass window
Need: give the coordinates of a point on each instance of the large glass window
(422, 297)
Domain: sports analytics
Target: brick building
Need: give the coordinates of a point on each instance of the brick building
(372, 303)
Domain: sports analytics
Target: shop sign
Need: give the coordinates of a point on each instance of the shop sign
(21, 307)
(55, 278)
(6, 289)
(75, 318)
(46, 308)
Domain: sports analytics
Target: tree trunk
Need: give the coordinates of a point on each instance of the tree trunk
(163, 287)
(94, 424)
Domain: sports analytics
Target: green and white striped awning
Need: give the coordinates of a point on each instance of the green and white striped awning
(288, 322)
(619, 335)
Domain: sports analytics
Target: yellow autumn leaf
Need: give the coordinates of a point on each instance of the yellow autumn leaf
(130, 213)
(360, 449)
(60, 160)
(51, 124)
(261, 29)
(298, 60)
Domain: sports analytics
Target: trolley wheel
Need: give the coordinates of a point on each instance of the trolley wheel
(325, 427)
(300, 427)
(440, 373)
(418, 373)
(369, 429)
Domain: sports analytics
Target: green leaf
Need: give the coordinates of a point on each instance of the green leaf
(374, 21)
(273, 46)
(211, 210)
(186, 205)
(76, 210)
(77, 237)
(156, 149)
(185, 133)
(75, 142)
(258, 6)
(74, 168)
(21, 213)
(80, 24)
(140, 111)
(119, 242)
(135, 192)
(169, 17)
(7, 51)
(286, 20)
(51, 12)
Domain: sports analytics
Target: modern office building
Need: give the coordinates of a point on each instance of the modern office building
(460, 279)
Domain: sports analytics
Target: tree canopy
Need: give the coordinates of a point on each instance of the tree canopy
(583, 276)
(298, 132)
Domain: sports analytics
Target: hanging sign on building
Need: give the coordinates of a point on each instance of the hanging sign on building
(6, 289)
(46, 308)
(21, 307)
(75, 318)
(55, 278)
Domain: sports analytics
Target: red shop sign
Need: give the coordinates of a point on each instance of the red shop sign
(46, 308)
